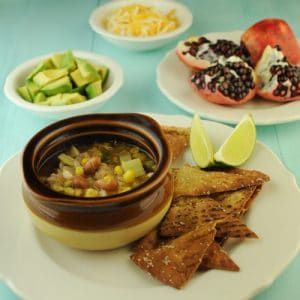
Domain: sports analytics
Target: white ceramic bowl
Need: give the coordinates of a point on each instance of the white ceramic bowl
(17, 78)
(141, 43)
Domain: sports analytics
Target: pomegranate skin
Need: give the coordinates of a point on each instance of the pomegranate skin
(271, 32)
(271, 97)
(218, 98)
(194, 65)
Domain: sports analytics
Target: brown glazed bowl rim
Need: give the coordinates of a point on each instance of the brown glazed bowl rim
(44, 194)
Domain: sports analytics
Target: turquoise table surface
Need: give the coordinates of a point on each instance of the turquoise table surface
(34, 27)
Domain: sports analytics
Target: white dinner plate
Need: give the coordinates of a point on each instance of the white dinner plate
(37, 267)
(172, 79)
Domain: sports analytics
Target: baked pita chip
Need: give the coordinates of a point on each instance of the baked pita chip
(251, 173)
(149, 241)
(175, 262)
(192, 181)
(234, 228)
(251, 199)
(217, 258)
(178, 139)
(236, 202)
(174, 130)
(187, 213)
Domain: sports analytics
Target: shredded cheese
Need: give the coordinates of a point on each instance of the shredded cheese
(140, 20)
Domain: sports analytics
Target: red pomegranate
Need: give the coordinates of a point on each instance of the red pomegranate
(231, 82)
(199, 53)
(271, 32)
(278, 79)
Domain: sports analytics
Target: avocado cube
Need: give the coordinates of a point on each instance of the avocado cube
(68, 61)
(65, 99)
(44, 65)
(80, 80)
(47, 76)
(62, 85)
(24, 93)
(94, 89)
(73, 98)
(39, 98)
(86, 69)
(55, 100)
(104, 72)
(57, 60)
(80, 90)
(33, 88)
(96, 67)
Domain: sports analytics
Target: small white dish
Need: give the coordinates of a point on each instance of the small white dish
(17, 78)
(25, 253)
(141, 43)
(173, 80)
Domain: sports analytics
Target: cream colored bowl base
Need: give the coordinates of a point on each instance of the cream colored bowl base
(98, 240)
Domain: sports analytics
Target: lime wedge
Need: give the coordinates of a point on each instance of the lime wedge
(201, 147)
(239, 146)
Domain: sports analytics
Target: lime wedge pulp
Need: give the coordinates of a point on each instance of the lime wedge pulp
(240, 144)
(201, 147)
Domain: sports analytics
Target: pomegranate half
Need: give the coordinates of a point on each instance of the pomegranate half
(229, 82)
(199, 53)
(278, 79)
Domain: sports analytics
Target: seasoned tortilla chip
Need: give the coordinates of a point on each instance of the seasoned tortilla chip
(235, 228)
(187, 213)
(175, 262)
(217, 258)
(235, 202)
(192, 181)
(178, 139)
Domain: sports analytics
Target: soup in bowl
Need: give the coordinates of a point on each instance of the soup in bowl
(98, 181)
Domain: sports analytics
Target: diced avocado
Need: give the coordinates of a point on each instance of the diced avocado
(24, 93)
(68, 61)
(33, 88)
(80, 80)
(39, 98)
(47, 76)
(94, 89)
(86, 69)
(65, 99)
(96, 67)
(80, 90)
(44, 65)
(64, 79)
(57, 60)
(104, 72)
(55, 100)
(73, 98)
(62, 85)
